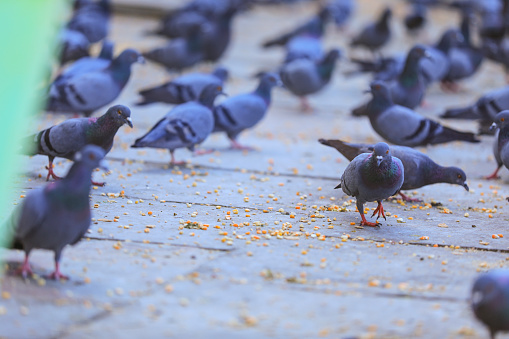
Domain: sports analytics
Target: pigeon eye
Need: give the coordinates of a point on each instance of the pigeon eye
(387, 152)
(502, 119)
(459, 176)
(91, 156)
(119, 112)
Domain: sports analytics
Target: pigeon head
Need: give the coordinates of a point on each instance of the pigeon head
(269, 80)
(129, 57)
(209, 94)
(90, 156)
(385, 17)
(450, 38)
(418, 52)
(332, 55)
(379, 89)
(221, 73)
(455, 175)
(489, 300)
(501, 120)
(121, 115)
(382, 153)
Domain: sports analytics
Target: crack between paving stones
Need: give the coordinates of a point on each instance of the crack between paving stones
(275, 174)
(161, 243)
(70, 329)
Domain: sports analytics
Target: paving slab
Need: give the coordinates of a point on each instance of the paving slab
(259, 244)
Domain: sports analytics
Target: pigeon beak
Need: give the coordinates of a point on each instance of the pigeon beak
(129, 122)
(466, 186)
(428, 55)
(103, 166)
(367, 91)
(493, 127)
(379, 160)
(222, 93)
(140, 60)
(338, 186)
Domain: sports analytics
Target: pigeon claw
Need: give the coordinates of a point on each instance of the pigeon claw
(51, 173)
(407, 198)
(380, 210)
(57, 275)
(100, 184)
(493, 175)
(364, 222)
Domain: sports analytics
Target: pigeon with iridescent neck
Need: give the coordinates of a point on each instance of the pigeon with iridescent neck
(67, 138)
(244, 111)
(58, 214)
(420, 170)
(373, 176)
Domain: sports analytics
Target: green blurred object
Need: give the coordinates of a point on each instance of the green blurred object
(29, 29)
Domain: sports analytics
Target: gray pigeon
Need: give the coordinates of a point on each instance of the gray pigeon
(420, 170)
(92, 19)
(186, 125)
(403, 126)
(67, 138)
(180, 53)
(303, 77)
(490, 300)
(87, 90)
(373, 177)
(340, 11)
(243, 111)
(185, 88)
(376, 34)
(486, 107)
(73, 46)
(409, 88)
(58, 214)
(501, 146)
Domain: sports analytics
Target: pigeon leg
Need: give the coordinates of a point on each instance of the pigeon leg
(364, 222)
(236, 145)
(50, 170)
(57, 275)
(380, 210)
(407, 198)
(305, 106)
(25, 269)
(203, 151)
(493, 175)
(173, 162)
(449, 86)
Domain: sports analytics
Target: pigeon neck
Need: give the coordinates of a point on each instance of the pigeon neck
(121, 71)
(503, 137)
(326, 67)
(194, 42)
(379, 103)
(410, 74)
(436, 174)
(73, 190)
(102, 131)
(264, 91)
(207, 101)
(385, 175)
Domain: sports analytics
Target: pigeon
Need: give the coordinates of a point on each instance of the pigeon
(304, 47)
(244, 111)
(340, 11)
(314, 28)
(179, 53)
(490, 300)
(73, 46)
(501, 143)
(92, 19)
(58, 214)
(67, 138)
(216, 38)
(373, 176)
(87, 90)
(376, 34)
(185, 88)
(186, 125)
(90, 64)
(420, 170)
(403, 126)
(464, 61)
(485, 108)
(303, 77)
(409, 88)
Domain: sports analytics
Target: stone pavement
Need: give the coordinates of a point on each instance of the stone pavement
(259, 244)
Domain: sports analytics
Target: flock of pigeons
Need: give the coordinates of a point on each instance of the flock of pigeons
(201, 31)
